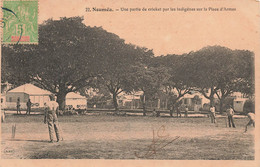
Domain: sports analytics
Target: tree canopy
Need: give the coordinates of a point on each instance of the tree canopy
(118, 66)
(221, 71)
(69, 55)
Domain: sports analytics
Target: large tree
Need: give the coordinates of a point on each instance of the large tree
(177, 82)
(220, 71)
(245, 71)
(117, 68)
(69, 55)
(146, 79)
(206, 67)
(238, 74)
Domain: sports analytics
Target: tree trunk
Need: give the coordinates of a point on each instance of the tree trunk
(211, 98)
(115, 101)
(171, 111)
(221, 101)
(144, 106)
(211, 101)
(61, 100)
(173, 106)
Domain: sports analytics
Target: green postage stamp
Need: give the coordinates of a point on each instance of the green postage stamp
(20, 22)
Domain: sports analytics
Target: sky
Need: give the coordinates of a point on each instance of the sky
(168, 32)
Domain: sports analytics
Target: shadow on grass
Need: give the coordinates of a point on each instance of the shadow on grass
(41, 141)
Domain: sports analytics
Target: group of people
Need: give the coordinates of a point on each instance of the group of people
(28, 104)
(51, 110)
(230, 113)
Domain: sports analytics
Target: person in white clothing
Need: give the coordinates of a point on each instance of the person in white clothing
(50, 117)
(212, 114)
(230, 113)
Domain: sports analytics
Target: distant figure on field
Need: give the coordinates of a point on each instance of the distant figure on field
(186, 111)
(50, 117)
(2, 116)
(154, 112)
(29, 105)
(18, 106)
(158, 113)
(251, 117)
(212, 114)
(230, 113)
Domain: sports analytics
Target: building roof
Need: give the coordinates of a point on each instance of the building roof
(30, 89)
(192, 95)
(240, 99)
(73, 95)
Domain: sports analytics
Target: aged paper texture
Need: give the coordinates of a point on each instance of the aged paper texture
(130, 83)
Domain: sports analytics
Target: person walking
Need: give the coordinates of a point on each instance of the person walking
(18, 106)
(29, 105)
(251, 117)
(213, 114)
(50, 117)
(230, 113)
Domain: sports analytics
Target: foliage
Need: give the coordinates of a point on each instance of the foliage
(69, 55)
(176, 82)
(118, 66)
(147, 79)
(221, 71)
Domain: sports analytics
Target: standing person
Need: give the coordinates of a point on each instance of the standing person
(157, 113)
(18, 106)
(154, 112)
(251, 117)
(186, 111)
(29, 105)
(2, 116)
(230, 113)
(212, 114)
(50, 117)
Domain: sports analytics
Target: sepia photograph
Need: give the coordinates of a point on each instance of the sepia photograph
(154, 81)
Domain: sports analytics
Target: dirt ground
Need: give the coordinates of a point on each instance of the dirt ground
(127, 137)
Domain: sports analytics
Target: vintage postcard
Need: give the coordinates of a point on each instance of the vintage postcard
(130, 83)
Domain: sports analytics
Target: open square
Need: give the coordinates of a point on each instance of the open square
(128, 137)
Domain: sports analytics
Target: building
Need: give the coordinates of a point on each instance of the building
(238, 104)
(37, 96)
(130, 100)
(76, 101)
(195, 101)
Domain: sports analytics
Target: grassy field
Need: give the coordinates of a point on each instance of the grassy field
(127, 137)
